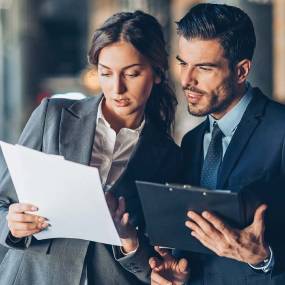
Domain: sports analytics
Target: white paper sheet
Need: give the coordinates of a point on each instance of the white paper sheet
(69, 194)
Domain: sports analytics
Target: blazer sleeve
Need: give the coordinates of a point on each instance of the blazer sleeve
(32, 137)
(138, 262)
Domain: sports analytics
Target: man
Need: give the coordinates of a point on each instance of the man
(240, 147)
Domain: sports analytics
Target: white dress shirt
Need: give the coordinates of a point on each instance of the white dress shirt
(111, 152)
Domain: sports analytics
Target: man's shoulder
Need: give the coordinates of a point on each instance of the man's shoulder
(195, 130)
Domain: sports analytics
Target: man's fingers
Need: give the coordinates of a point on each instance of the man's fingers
(218, 224)
(194, 227)
(183, 265)
(201, 222)
(154, 262)
(258, 221)
(164, 253)
(22, 207)
(157, 279)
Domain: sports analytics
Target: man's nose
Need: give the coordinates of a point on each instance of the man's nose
(189, 77)
(119, 86)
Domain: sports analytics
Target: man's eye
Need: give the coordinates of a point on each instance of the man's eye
(105, 74)
(205, 68)
(182, 63)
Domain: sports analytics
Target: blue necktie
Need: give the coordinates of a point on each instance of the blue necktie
(213, 160)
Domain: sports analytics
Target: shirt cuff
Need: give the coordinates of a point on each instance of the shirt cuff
(131, 252)
(268, 263)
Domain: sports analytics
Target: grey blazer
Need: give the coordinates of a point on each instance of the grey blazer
(66, 127)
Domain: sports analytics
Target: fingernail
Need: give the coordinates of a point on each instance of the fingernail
(33, 208)
(44, 225)
(41, 219)
(205, 214)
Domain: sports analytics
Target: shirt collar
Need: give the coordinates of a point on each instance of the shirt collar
(101, 118)
(229, 122)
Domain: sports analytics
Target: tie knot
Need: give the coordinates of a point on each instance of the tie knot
(216, 131)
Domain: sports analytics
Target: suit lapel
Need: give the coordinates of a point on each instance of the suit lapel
(77, 130)
(194, 153)
(143, 162)
(242, 135)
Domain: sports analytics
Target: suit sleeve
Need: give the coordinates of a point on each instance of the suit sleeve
(31, 137)
(138, 261)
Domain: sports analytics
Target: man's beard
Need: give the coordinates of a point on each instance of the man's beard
(215, 106)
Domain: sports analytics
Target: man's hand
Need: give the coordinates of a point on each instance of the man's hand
(246, 245)
(22, 224)
(168, 270)
(127, 232)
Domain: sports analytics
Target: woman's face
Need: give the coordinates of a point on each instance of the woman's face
(126, 79)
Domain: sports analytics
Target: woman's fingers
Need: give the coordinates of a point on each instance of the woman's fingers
(111, 202)
(121, 207)
(27, 218)
(22, 207)
(22, 224)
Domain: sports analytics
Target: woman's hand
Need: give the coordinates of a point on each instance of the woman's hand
(127, 232)
(22, 224)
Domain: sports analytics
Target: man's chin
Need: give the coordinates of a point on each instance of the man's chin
(197, 112)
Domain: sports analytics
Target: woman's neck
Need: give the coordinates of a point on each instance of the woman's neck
(118, 122)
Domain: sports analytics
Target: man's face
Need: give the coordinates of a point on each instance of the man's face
(206, 78)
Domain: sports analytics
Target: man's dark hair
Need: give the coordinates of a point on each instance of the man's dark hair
(228, 24)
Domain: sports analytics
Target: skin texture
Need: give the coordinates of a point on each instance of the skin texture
(211, 87)
(126, 79)
(166, 270)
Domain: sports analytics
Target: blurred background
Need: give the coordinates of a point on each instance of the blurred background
(43, 47)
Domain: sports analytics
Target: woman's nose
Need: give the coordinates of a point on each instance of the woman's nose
(119, 86)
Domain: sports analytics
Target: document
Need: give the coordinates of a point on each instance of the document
(68, 194)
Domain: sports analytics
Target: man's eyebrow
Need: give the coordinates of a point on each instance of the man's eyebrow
(125, 67)
(180, 59)
(210, 64)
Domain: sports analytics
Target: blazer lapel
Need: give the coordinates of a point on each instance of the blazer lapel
(243, 133)
(193, 155)
(77, 130)
(143, 162)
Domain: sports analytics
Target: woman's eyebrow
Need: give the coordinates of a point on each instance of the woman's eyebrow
(125, 67)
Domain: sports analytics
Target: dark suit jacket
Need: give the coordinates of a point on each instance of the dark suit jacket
(67, 128)
(255, 164)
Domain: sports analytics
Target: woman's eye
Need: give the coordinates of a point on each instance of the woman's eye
(132, 74)
(105, 74)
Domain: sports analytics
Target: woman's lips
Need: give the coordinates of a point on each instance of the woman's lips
(122, 102)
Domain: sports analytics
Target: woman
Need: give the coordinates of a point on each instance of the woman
(125, 133)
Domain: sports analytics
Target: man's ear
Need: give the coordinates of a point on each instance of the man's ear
(242, 70)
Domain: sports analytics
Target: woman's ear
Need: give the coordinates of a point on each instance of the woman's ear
(242, 70)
